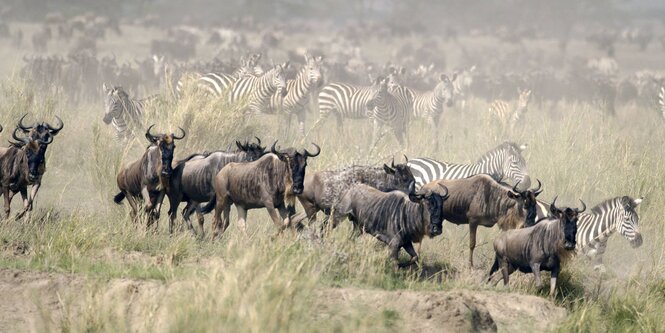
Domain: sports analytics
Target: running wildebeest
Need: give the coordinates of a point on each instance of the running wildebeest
(149, 176)
(542, 247)
(395, 218)
(22, 164)
(481, 200)
(193, 177)
(272, 182)
(41, 130)
(324, 189)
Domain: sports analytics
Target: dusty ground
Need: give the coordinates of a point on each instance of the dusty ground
(35, 301)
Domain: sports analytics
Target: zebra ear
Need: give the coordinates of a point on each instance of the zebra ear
(105, 87)
(523, 146)
(638, 201)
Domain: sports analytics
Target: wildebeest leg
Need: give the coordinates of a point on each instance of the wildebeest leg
(26, 202)
(8, 200)
(276, 219)
(408, 246)
(495, 267)
(473, 227)
(186, 215)
(555, 274)
(535, 268)
(147, 202)
(174, 201)
(219, 225)
(242, 219)
(33, 195)
(133, 204)
(395, 245)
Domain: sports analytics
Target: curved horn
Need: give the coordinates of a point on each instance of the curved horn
(179, 137)
(55, 130)
(149, 135)
(318, 151)
(538, 190)
(515, 187)
(272, 149)
(392, 164)
(553, 203)
(15, 137)
(445, 196)
(1, 128)
(258, 141)
(20, 125)
(406, 159)
(583, 207)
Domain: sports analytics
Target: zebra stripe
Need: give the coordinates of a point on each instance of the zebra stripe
(661, 101)
(216, 83)
(385, 108)
(253, 93)
(346, 101)
(503, 162)
(595, 227)
(123, 113)
(299, 91)
(505, 114)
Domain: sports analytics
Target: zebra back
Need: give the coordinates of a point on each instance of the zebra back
(254, 92)
(300, 89)
(347, 100)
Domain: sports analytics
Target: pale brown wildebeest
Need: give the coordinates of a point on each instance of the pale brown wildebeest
(481, 200)
(272, 182)
(542, 247)
(149, 176)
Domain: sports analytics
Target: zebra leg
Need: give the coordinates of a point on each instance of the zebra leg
(301, 121)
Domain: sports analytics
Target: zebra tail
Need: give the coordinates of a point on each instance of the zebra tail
(119, 197)
(209, 206)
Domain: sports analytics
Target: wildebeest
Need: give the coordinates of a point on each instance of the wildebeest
(272, 182)
(43, 130)
(324, 188)
(149, 176)
(542, 247)
(192, 179)
(395, 218)
(22, 164)
(480, 200)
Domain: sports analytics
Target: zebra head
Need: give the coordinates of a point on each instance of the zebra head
(378, 94)
(508, 158)
(629, 220)
(445, 89)
(114, 103)
(314, 71)
(279, 79)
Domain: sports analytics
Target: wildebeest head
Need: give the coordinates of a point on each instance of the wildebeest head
(629, 226)
(40, 131)
(402, 175)
(445, 88)
(297, 162)
(433, 202)
(530, 203)
(568, 217)
(253, 150)
(115, 102)
(35, 151)
(166, 145)
(314, 70)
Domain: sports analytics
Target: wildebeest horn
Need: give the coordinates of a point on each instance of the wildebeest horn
(318, 151)
(54, 130)
(258, 141)
(20, 140)
(538, 190)
(553, 206)
(240, 145)
(179, 137)
(272, 149)
(392, 164)
(515, 187)
(1, 128)
(583, 207)
(149, 135)
(20, 125)
(445, 196)
(406, 159)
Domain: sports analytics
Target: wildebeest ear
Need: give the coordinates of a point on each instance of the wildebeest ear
(512, 195)
(415, 197)
(239, 145)
(388, 169)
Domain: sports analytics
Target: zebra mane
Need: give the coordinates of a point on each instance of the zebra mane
(508, 145)
(620, 201)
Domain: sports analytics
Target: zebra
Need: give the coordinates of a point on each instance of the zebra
(503, 162)
(216, 83)
(299, 90)
(346, 101)
(253, 93)
(595, 227)
(661, 100)
(123, 113)
(505, 114)
(384, 108)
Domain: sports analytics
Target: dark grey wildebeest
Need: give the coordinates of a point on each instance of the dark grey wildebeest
(272, 182)
(43, 130)
(481, 200)
(149, 176)
(22, 164)
(395, 218)
(325, 188)
(542, 247)
(193, 177)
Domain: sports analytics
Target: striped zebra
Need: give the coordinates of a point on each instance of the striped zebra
(501, 163)
(661, 101)
(252, 93)
(346, 101)
(123, 113)
(595, 227)
(216, 83)
(507, 115)
(299, 91)
(384, 108)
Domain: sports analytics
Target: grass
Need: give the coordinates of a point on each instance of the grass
(267, 283)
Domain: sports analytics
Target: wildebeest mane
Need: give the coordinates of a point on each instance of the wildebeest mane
(548, 236)
(394, 212)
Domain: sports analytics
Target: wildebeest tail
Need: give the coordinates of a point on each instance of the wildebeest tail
(119, 197)
(210, 205)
